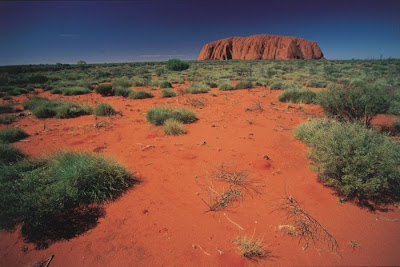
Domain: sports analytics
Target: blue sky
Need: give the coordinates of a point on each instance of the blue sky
(155, 30)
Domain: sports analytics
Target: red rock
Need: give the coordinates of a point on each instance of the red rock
(262, 46)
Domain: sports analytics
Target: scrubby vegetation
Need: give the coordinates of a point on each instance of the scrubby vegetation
(11, 135)
(158, 115)
(104, 90)
(177, 65)
(359, 162)
(8, 119)
(42, 107)
(244, 85)
(122, 91)
(168, 93)
(225, 86)
(10, 154)
(43, 193)
(140, 94)
(74, 91)
(198, 88)
(104, 109)
(298, 96)
(6, 108)
(173, 127)
(165, 84)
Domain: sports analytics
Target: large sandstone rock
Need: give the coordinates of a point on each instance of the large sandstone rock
(262, 46)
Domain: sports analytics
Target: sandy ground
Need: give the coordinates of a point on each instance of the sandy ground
(163, 220)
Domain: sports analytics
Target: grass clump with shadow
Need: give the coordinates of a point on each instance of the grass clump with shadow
(68, 91)
(8, 119)
(10, 154)
(11, 135)
(140, 94)
(198, 88)
(60, 196)
(173, 127)
(104, 90)
(158, 115)
(122, 91)
(104, 109)
(7, 108)
(168, 93)
(298, 96)
(246, 84)
(226, 86)
(251, 248)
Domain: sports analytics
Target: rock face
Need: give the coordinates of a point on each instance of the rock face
(263, 46)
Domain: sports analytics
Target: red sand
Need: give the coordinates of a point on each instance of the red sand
(162, 221)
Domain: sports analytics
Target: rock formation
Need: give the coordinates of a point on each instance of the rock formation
(262, 46)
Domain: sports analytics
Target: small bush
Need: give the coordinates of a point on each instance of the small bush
(12, 135)
(165, 84)
(104, 109)
(297, 96)
(7, 119)
(177, 65)
(275, 85)
(226, 86)
(244, 85)
(138, 82)
(198, 88)
(104, 90)
(140, 94)
(158, 115)
(75, 91)
(168, 93)
(359, 162)
(10, 154)
(6, 108)
(251, 248)
(70, 110)
(121, 91)
(354, 104)
(123, 83)
(56, 91)
(316, 84)
(173, 127)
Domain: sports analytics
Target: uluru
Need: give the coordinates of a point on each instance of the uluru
(261, 46)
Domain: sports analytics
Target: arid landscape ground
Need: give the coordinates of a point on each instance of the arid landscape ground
(238, 172)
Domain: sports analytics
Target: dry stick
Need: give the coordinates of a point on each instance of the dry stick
(240, 227)
(49, 260)
(208, 254)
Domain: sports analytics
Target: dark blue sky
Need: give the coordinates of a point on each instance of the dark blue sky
(155, 30)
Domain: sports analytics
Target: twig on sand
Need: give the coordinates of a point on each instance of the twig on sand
(240, 227)
(49, 260)
(197, 245)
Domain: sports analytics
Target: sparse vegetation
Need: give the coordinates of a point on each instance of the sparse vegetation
(75, 91)
(198, 88)
(225, 86)
(298, 96)
(104, 109)
(246, 84)
(140, 94)
(8, 119)
(10, 154)
(104, 89)
(173, 127)
(168, 93)
(158, 115)
(250, 247)
(6, 108)
(122, 91)
(11, 135)
(177, 65)
(165, 84)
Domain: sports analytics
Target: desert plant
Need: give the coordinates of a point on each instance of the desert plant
(225, 86)
(198, 88)
(10, 154)
(75, 91)
(168, 93)
(316, 84)
(8, 119)
(354, 104)
(250, 247)
(297, 96)
(104, 109)
(276, 84)
(173, 127)
(246, 84)
(123, 83)
(6, 108)
(122, 91)
(177, 65)
(104, 89)
(158, 115)
(165, 84)
(140, 94)
(359, 162)
(11, 135)
(56, 91)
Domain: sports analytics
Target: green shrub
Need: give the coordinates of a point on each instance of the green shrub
(121, 91)
(104, 109)
(104, 89)
(168, 93)
(10, 154)
(275, 85)
(359, 162)
(177, 65)
(140, 94)
(165, 84)
(173, 127)
(158, 115)
(70, 110)
(244, 85)
(297, 96)
(212, 84)
(7, 119)
(124, 83)
(354, 104)
(396, 125)
(197, 88)
(316, 84)
(75, 91)
(226, 86)
(138, 82)
(12, 135)
(56, 91)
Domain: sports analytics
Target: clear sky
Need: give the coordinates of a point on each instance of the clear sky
(34, 32)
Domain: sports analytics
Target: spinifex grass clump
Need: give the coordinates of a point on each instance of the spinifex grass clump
(75, 91)
(45, 194)
(177, 65)
(246, 84)
(10, 154)
(104, 89)
(122, 91)
(104, 109)
(140, 94)
(8, 119)
(158, 115)
(168, 93)
(165, 84)
(226, 86)
(198, 88)
(42, 107)
(298, 96)
(173, 127)
(12, 135)
(250, 247)
(359, 162)
(6, 108)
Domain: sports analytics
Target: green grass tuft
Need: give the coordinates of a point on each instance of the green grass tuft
(104, 109)
(158, 115)
(140, 94)
(173, 127)
(168, 93)
(12, 135)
